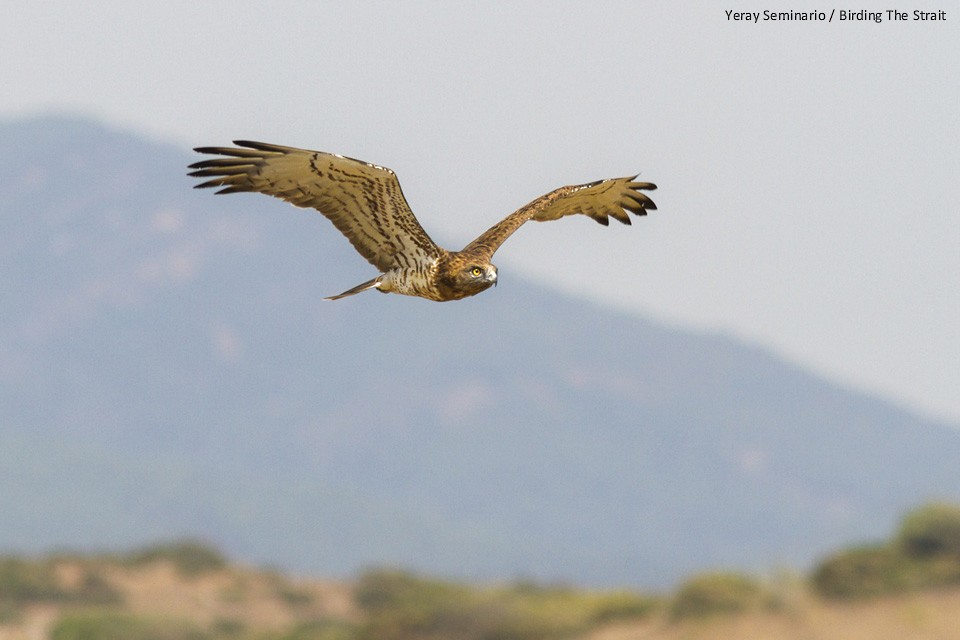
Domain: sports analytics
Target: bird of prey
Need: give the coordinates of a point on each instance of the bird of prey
(365, 203)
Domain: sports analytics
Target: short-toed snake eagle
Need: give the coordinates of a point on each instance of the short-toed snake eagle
(365, 203)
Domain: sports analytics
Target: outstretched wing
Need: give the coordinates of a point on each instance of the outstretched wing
(362, 200)
(600, 200)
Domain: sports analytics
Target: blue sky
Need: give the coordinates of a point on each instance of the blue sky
(807, 170)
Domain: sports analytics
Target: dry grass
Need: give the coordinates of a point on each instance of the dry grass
(923, 616)
(263, 602)
(259, 601)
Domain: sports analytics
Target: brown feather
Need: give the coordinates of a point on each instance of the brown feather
(364, 201)
(599, 200)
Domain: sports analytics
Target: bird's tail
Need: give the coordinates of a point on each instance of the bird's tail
(369, 284)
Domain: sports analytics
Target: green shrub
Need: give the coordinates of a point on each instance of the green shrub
(620, 605)
(294, 596)
(385, 590)
(10, 612)
(930, 531)
(95, 589)
(228, 628)
(114, 626)
(321, 630)
(929, 537)
(188, 556)
(714, 593)
(403, 606)
(28, 580)
(924, 554)
(862, 572)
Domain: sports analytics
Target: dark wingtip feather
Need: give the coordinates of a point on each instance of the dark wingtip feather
(222, 163)
(260, 146)
(636, 210)
(223, 171)
(233, 152)
(230, 190)
(208, 184)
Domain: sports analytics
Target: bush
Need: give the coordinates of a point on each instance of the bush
(10, 612)
(389, 590)
(95, 589)
(402, 606)
(294, 596)
(714, 593)
(228, 628)
(321, 630)
(930, 531)
(862, 572)
(621, 605)
(188, 556)
(25, 580)
(113, 626)
(543, 612)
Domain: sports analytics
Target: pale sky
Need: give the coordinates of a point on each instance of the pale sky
(808, 171)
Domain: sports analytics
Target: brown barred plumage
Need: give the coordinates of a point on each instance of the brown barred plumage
(365, 202)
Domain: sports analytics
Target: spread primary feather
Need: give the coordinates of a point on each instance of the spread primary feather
(364, 201)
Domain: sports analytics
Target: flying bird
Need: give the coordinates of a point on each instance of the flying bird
(365, 203)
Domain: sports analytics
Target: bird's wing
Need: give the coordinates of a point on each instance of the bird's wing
(600, 200)
(362, 200)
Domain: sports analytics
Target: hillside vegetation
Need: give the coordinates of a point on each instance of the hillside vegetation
(908, 586)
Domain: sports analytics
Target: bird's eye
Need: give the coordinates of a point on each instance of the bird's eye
(476, 271)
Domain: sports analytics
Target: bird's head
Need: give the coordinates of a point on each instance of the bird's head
(476, 277)
(462, 275)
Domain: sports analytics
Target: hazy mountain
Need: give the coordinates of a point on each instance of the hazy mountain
(167, 367)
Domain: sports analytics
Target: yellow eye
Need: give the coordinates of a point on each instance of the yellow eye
(476, 271)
